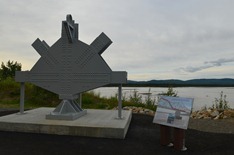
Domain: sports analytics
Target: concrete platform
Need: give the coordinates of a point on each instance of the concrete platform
(96, 123)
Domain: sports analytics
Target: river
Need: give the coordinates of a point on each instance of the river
(203, 96)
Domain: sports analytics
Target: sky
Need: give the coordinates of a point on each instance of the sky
(152, 39)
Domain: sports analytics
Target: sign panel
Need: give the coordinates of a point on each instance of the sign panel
(173, 111)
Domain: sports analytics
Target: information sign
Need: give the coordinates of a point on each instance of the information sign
(173, 111)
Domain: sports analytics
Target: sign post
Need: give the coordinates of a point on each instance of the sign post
(164, 135)
(173, 113)
(179, 139)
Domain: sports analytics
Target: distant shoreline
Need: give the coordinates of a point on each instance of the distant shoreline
(167, 85)
(171, 85)
(226, 82)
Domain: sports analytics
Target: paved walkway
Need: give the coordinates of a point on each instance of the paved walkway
(142, 138)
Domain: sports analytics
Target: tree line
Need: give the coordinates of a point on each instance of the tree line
(8, 69)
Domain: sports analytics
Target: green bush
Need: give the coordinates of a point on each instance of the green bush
(34, 96)
(135, 98)
(9, 88)
(221, 103)
(170, 92)
(148, 100)
(43, 97)
(9, 93)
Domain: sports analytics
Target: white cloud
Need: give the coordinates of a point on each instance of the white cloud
(206, 65)
(151, 38)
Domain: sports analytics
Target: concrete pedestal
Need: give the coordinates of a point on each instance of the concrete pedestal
(96, 123)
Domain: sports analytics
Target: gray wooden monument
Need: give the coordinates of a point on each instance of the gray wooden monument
(70, 67)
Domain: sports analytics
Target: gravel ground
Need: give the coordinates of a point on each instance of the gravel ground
(142, 138)
(214, 126)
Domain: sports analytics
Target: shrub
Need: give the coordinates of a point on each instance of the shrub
(148, 99)
(221, 103)
(9, 88)
(170, 92)
(135, 97)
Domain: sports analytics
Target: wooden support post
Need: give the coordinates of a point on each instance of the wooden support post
(165, 135)
(179, 139)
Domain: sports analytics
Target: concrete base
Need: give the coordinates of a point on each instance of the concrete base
(68, 117)
(67, 110)
(96, 123)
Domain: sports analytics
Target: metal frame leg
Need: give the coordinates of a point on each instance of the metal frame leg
(80, 100)
(120, 102)
(22, 89)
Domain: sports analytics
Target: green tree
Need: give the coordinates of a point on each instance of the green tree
(8, 69)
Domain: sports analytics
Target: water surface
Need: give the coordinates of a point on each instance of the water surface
(203, 96)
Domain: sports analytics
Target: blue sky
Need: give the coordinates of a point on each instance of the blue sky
(152, 39)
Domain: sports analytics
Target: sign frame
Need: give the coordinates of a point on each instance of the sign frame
(173, 111)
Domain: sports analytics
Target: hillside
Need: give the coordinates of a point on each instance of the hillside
(226, 82)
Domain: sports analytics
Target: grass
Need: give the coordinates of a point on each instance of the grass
(37, 97)
(90, 100)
